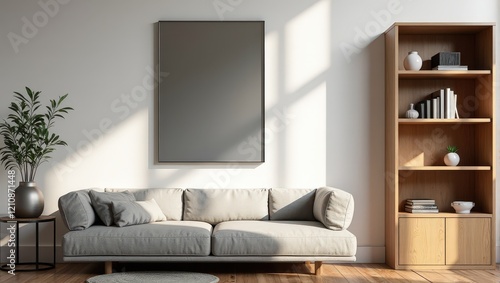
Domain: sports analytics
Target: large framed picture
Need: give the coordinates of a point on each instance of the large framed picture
(211, 103)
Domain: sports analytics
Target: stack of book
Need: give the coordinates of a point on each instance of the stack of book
(442, 104)
(421, 206)
(448, 61)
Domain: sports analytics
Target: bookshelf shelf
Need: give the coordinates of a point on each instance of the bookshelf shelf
(444, 121)
(433, 74)
(445, 214)
(415, 148)
(445, 168)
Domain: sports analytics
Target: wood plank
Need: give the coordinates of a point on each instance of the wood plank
(411, 276)
(350, 272)
(247, 278)
(472, 276)
(388, 274)
(369, 271)
(304, 273)
(444, 276)
(332, 274)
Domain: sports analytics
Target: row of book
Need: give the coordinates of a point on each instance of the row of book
(421, 206)
(442, 104)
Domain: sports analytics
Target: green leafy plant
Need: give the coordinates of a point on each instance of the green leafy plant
(452, 149)
(27, 133)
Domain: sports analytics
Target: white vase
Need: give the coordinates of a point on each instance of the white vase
(412, 113)
(412, 62)
(451, 159)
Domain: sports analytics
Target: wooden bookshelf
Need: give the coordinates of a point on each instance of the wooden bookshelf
(415, 149)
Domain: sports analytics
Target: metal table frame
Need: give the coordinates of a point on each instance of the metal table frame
(38, 265)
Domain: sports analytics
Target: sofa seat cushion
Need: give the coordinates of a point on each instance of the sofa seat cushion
(172, 238)
(280, 238)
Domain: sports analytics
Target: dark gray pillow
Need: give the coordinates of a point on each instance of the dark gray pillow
(76, 210)
(127, 213)
(102, 203)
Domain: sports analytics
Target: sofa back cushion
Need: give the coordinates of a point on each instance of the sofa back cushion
(334, 208)
(218, 205)
(291, 204)
(76, 210)
(168, 199)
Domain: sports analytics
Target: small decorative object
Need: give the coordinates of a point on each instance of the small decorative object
(412, 113)
(451, 158)
(462, 207)
(445, 59)
(412, 62)
(28, 143)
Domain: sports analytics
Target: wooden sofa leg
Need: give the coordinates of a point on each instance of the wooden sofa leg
(318, 267)
(108, 267)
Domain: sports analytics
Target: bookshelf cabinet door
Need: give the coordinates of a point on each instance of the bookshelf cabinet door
(421, 241)
(468, 241)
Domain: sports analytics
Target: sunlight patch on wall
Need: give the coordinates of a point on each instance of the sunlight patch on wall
(118, 158)
(306, 140)
(307, 46)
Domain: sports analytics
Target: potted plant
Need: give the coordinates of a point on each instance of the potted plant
(28, 143)
(451, 158)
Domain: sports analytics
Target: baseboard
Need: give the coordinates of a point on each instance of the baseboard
(370, 255)
(498, 254)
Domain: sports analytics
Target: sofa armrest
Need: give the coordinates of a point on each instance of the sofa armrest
(76, 210)
(334, 208)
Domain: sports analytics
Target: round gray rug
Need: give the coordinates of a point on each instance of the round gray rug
(154, 277)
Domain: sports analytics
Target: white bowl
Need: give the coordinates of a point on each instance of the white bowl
(462, 206)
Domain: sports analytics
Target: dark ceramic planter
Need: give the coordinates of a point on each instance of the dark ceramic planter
(29, 200)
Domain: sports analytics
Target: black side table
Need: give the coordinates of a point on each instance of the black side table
(37, 264)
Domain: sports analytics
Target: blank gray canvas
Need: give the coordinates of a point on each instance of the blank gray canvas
(211, 104)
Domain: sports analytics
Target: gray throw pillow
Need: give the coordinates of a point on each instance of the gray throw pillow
(76, 210)
(102, 203)
(126, 213)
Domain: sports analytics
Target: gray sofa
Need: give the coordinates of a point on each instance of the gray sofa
(208, 225)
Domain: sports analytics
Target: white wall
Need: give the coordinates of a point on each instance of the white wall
(324, 92)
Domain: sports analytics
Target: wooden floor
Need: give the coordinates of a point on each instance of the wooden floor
(264, 273)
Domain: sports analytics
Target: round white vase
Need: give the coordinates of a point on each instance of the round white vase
(451, 159)
(412, 62)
